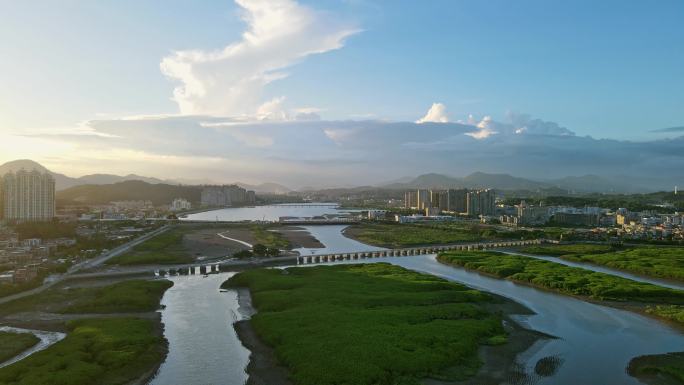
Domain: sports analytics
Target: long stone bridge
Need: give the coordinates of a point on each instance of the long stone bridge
(218, 266)
(403, 252)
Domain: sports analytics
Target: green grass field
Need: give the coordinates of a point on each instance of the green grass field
(416, 234)
(405, 235)
(12, 344)
(659, 262)
(671, 312)
(123, 297)
(95, 351)
(7, 289)
(561, 278)
(369, 324)
(269, 238)
(166, 249)
(570, 249)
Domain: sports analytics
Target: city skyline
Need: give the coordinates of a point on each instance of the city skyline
(234, 100)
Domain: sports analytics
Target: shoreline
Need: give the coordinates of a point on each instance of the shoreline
(148, 376)
(664, 280)
(263, 367)
(641, 368)
(633, 307)
(499, 362)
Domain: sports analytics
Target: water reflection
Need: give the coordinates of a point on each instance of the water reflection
(266, 213)
(203, 346)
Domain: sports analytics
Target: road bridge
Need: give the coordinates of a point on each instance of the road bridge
(403, 252)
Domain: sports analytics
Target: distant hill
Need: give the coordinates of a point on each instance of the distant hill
(17, 165)
(502, 182)
(109, 179)
(612, 184)
(128, 190)
(474, 180)
(63, 182)
(575, 184)
(266, 188)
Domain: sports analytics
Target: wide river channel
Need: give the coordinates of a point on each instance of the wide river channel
(595, 343)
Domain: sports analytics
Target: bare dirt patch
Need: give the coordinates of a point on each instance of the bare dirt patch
(299, 237)
(207, 243)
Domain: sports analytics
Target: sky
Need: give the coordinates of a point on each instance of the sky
(318, 92)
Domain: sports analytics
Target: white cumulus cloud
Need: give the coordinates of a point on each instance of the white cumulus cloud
(230, 81)
(486, 128)
(436, 114)
(517, 124)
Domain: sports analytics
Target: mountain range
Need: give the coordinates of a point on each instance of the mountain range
(574, 184)
(63, 182)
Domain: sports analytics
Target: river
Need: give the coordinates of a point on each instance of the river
(269, 213)
(595, 343)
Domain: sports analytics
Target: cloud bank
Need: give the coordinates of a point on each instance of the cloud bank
(230, 81)
(335, 153)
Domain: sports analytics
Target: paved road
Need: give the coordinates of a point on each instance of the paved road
(148, 269)
(86, 265)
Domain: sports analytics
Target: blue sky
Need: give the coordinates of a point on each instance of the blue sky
(608, 69)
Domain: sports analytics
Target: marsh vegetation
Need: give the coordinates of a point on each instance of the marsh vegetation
(391, 325)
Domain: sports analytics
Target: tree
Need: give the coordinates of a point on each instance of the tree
(260, 250)
(243, 254)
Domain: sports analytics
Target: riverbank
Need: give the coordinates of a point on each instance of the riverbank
(599, 288)
(659, 369)
(497, 356)
(665, 263)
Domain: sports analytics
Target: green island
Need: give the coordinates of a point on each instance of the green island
(390, 324)
(659, 262)
(12, 344)
(563, 279)
(416, 234)
(102, 351)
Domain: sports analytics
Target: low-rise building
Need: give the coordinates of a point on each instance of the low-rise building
(376, 214)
